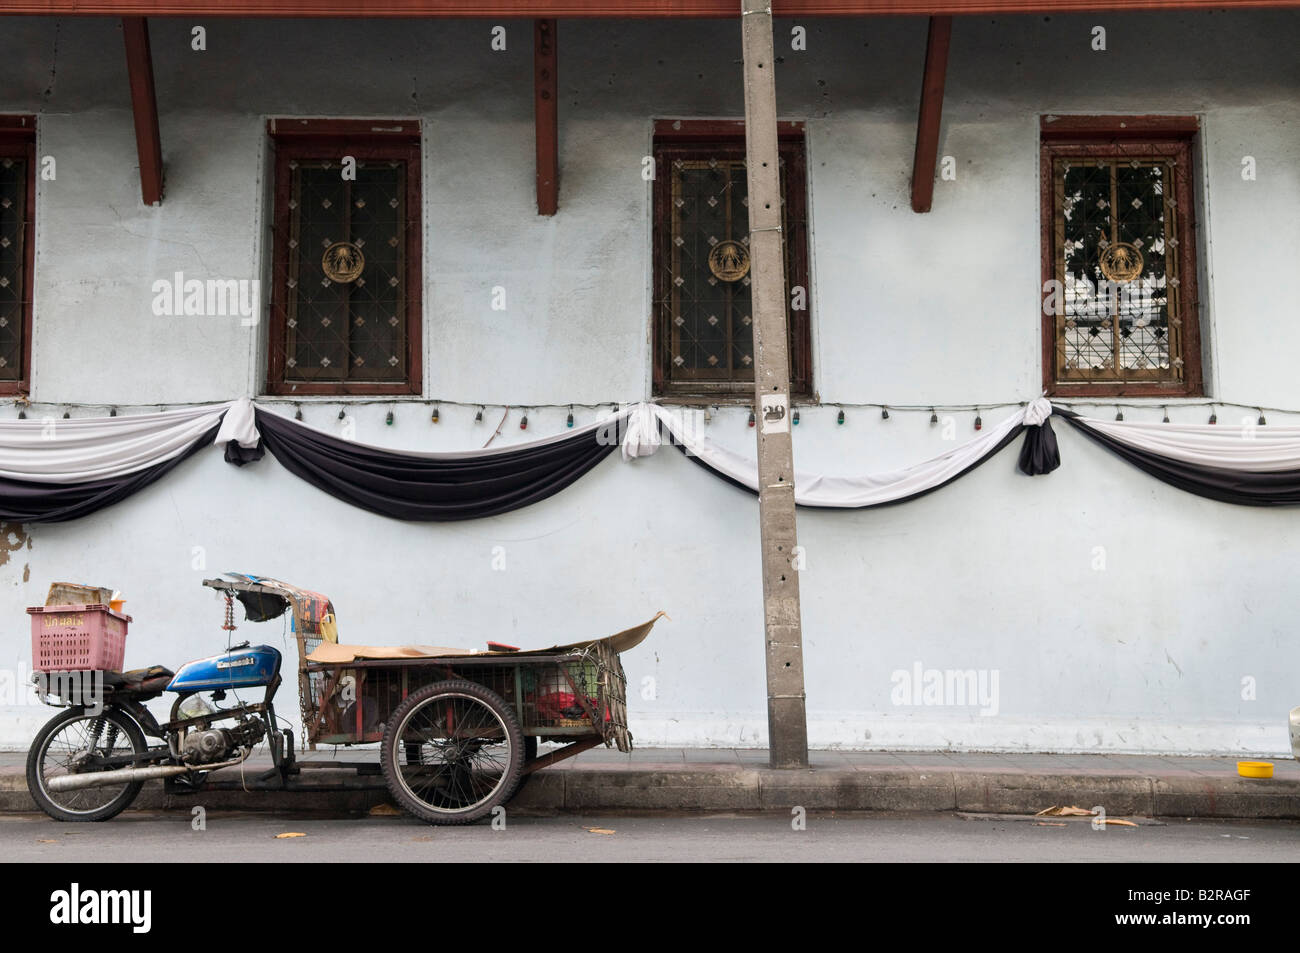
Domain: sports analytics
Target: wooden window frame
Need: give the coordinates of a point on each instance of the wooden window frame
(18, 141)
(300, 139)
(1126, 135)
(673, 134)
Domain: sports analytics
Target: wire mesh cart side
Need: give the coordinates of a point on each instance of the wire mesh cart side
(573, 696)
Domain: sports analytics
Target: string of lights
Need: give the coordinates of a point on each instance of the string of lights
(64, 408)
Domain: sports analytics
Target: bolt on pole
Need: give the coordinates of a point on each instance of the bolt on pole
(787, 721)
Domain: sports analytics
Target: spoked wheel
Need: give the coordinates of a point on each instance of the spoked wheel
(452, 751)
(77, 742)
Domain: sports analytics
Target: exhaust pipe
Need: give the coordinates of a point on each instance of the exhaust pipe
(95, 779)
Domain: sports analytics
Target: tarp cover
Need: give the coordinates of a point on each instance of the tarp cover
(264, 599)
(331, 652)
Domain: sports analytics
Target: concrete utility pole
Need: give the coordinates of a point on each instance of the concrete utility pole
(787, 720)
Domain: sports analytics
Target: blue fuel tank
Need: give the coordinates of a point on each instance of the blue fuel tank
(241, 668)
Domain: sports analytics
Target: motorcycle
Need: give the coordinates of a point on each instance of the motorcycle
(89, 762)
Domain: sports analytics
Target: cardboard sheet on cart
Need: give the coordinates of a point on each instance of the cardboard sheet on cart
(332, 652)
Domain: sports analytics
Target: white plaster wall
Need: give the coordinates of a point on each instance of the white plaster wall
(992, 573)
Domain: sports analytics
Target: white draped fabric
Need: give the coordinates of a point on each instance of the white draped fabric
(54, 450)
(641, 432)
(239, 425)
(815, 489)
(1245, 447)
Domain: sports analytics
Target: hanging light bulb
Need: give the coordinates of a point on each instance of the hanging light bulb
(708, 415)
(569, 421)
(112, 411)
(979, 421)
(1261, 420)
(389, 419)
(66, 415)
(478, 417)
(840, 418)
(1166, 417)
(342, 413)
(523, 421)
(751, 418)
(297, 414)
(22, 414)
(795, 419)
(434, 418)
(884, 412)
(934, 417)
(1214, 417)
(1119, 413)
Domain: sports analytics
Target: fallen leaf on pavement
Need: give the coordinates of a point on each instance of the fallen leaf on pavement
(42, 840)
(600, 830)
(1116, 820)
(1055, 811)
(384, 810)
(1051, 824)
(289, 834)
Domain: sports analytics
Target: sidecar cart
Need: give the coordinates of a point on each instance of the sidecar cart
(457, 729)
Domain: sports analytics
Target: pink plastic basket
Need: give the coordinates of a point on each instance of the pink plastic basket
(77, 638)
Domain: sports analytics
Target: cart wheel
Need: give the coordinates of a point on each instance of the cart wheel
(452, 752)
(73, 742)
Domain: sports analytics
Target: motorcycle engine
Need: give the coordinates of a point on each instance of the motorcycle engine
(205, 747)
(211, 745)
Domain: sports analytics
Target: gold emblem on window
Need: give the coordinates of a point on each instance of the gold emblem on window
(343, 262)
(1121, 262)
(729, 261)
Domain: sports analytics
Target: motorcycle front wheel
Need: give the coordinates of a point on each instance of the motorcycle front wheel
(76, 742)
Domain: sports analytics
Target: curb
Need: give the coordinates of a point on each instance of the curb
(712, 788)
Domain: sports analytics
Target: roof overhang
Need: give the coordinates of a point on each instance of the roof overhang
(598, 8)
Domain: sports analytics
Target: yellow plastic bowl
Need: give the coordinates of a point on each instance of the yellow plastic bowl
(1255, 769)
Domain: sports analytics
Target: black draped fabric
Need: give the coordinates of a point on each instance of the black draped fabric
(1279, 488)
(409, 487)
(1042, 458)
(1039, 453)
(25, 501)
(240, 455)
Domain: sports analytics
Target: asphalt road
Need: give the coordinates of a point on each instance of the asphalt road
(231, 837)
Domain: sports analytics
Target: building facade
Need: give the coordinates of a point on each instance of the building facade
(1092, 608)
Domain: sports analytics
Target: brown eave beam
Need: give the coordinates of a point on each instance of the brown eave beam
(546, 107)
(927, 123)
(144, 107)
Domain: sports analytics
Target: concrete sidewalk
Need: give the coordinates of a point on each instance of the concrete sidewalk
(694, 779)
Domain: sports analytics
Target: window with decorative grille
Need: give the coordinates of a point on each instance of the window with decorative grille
(17, 213)
(1119, 309)
(347, 278)
(703, 317)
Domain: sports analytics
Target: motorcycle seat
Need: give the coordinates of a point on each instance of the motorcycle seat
(145, 681)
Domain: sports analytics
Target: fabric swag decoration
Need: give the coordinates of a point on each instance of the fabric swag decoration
(53, 470)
